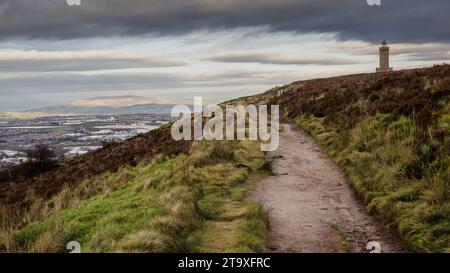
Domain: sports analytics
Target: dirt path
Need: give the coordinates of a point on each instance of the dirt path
(312, 207)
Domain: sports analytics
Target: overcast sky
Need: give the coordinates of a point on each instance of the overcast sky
(52, 53)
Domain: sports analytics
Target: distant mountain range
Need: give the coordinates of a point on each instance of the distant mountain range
(118, 101)
(106, 110)
(110, 106)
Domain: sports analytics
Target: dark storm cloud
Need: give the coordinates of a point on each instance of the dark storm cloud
(395, 20)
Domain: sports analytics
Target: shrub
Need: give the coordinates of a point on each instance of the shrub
(40, 159)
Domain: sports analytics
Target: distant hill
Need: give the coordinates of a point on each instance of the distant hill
(103, 106)
(118, 101)
(109, 106)
(106, 110)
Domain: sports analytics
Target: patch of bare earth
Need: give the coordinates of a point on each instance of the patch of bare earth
(312, 207)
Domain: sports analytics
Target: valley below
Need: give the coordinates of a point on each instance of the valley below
(70, 135)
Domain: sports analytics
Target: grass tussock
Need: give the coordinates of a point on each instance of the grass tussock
(390, 133)
(185, 203)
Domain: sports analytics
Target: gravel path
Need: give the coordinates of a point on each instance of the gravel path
(312, 207)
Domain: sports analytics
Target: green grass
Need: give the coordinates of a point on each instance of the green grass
(390, 134)
(380, 156)
(187, 203)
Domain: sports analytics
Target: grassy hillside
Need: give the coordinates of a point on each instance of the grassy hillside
(390, 133)
(19, 190)
(183, 203)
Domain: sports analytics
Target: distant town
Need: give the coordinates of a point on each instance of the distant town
(69, 136)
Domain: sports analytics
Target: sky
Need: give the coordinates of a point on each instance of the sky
(52, 53)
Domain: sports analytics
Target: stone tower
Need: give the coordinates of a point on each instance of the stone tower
(384, 58)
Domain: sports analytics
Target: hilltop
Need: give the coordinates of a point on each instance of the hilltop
(389, 133)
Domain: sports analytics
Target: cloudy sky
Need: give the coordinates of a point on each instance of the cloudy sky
(52, 53)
